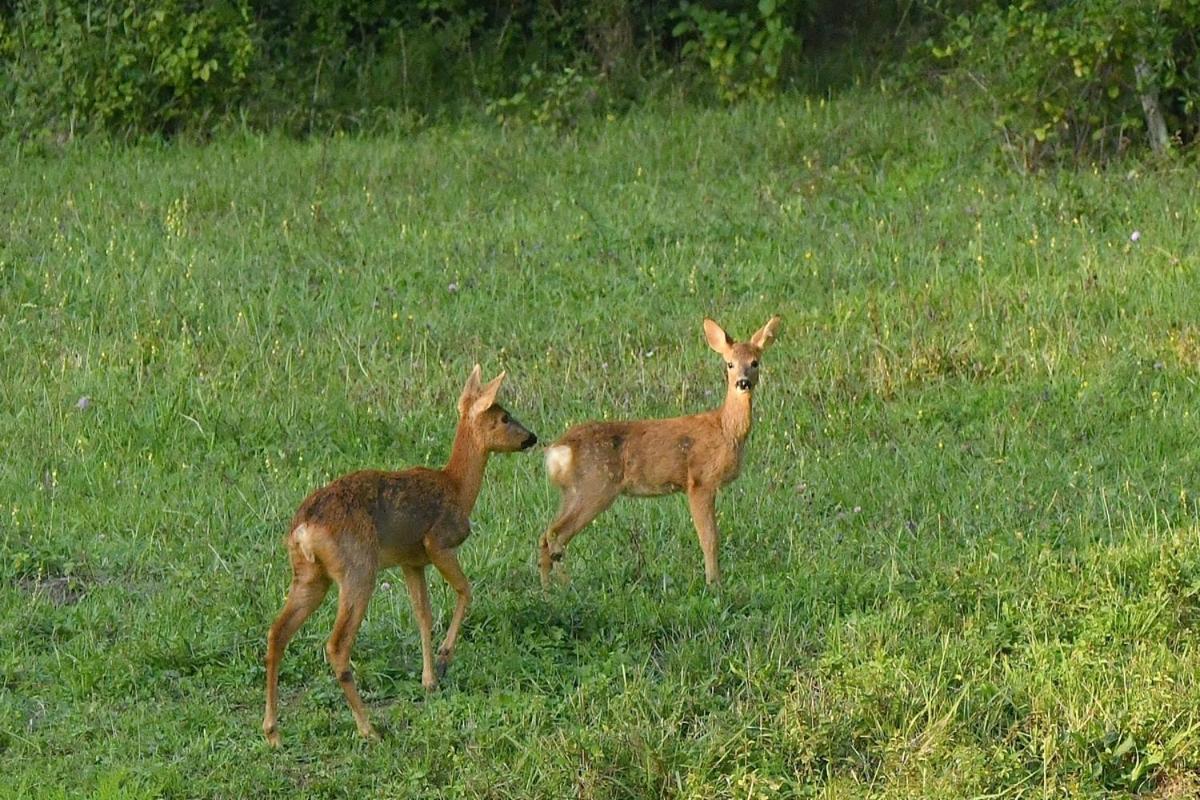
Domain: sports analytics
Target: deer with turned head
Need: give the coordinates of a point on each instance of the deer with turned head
(594, 462)
(361, 523)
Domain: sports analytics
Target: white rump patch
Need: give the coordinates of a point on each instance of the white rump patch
(558, 462)
(303, 535)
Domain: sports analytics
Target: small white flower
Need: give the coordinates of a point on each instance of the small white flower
(452, 288)
(385, 586)
(1135, 236)
(83, 403)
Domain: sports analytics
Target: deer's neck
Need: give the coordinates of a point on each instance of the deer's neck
(735, 414)
(465, 467)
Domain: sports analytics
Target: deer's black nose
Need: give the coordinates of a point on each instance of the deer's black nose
(530, 442)
(744, 384)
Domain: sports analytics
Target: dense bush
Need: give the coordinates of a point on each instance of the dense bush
(314, 65)
(110, 65)
(1083, 79)
(743, 52)
(1067, 79)
(74, 65)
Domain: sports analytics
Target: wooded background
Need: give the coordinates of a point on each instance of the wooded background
(1062, 79)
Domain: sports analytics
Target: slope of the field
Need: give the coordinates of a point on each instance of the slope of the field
(962, 558)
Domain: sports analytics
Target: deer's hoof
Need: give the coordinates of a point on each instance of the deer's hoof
(273, 739)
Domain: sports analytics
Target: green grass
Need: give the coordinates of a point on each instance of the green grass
(962, 559)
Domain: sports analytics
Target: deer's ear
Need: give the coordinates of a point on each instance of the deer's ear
(717, 338)
(470, 390)
(487, 396)
(766, 334)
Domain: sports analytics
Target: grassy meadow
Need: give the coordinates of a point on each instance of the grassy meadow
(962, 559)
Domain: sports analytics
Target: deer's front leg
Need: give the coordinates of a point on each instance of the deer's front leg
(702, 501)
(418, 593)
(446, 563)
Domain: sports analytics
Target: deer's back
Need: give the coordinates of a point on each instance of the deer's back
(397, 510)
(650, 457)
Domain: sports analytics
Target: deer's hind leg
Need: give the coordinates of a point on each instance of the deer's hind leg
(355, 575)
(310, 583)
(580, 505)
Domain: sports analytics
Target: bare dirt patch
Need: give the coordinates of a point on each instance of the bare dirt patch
(61, 590)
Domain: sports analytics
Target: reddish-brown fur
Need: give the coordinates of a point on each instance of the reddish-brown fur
(366, 521)
(594, 462)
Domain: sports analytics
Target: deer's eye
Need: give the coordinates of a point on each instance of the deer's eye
(504, 419)
(754, 364)
(729, 364)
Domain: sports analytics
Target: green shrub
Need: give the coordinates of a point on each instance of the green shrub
(743, 53)
(342, 64)
(1074, 79)
(70, 66)
(306, 66)
(554, 100)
